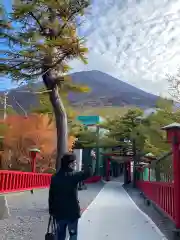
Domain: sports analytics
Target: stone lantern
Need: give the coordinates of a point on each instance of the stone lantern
(148, 158)
(33, 155)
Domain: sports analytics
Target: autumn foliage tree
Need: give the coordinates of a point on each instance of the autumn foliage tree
(35, 131)
(42, 38)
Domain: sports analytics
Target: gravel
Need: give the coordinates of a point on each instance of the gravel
(29, 213)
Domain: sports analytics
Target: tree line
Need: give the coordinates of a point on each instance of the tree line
(40, 39)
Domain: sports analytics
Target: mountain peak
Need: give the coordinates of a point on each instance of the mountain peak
(105, 91)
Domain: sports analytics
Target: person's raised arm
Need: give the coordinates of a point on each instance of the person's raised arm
(83, 175)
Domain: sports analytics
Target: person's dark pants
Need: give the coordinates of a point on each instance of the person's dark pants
(62, 226)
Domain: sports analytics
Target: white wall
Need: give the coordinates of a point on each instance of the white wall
(78, 153)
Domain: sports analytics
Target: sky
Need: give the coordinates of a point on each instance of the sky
(136, 41)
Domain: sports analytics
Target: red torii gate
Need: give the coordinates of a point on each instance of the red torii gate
(127, 163)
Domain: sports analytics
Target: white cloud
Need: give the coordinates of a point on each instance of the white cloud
(134, 40)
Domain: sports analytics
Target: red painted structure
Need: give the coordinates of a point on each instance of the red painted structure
(93, 179)
(33, 155)
(13, 181)
(166, 195)
(108, 166)
(129, 171)
(162, 194)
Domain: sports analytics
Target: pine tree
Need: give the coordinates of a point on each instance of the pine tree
(42, 37)
(45, 106)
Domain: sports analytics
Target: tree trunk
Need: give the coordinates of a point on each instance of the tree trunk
(97, 151)
(60, 118)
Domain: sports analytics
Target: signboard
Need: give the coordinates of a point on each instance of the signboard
(89, 120)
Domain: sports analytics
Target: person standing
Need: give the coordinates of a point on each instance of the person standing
(63, 197)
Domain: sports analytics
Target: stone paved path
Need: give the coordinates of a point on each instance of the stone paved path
(162, 221)
(29, 214)
(113, 215)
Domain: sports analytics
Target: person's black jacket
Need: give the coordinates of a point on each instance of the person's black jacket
(63, 194)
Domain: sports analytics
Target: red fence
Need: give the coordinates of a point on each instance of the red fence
(13, 181)
(93, 179)
(160, 193)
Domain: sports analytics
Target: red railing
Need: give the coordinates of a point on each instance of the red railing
(13, 181)
(93, 179)
(161, 193)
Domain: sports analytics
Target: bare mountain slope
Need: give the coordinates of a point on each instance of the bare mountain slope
(105, 91)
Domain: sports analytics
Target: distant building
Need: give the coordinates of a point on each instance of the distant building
(150, 111)
(92, 122)
(147, 112)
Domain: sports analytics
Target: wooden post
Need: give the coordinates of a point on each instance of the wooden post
(129, 171)
(149, 174)
(176, 174)
(108, 169)
(173, 136)
(33, 161)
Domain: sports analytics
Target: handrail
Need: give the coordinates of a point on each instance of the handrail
(160, 193)
(13, 181)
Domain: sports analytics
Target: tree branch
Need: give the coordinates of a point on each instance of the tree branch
(174, 82)
(55, 64)
(37, 21)
(70, 18)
